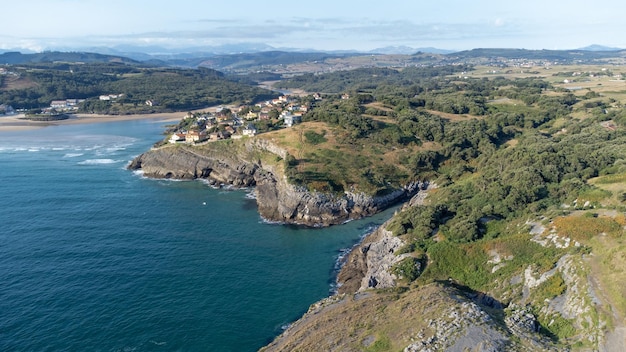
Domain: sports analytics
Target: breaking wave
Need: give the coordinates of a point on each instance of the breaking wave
(98, 161)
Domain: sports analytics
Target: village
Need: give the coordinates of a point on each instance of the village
(211, 124)
(226, 122)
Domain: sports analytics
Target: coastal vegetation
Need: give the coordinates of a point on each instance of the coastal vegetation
(137, 88)
(45, 117)
(510, 155)
(528, 174)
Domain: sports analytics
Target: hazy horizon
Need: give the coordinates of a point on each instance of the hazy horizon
(38, 25)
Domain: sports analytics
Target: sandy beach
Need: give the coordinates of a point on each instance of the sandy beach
(17, 123)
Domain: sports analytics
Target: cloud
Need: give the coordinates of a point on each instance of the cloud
(318, 33)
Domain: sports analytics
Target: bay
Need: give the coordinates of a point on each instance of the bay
(95, 257)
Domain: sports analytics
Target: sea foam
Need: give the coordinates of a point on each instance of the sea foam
(98, 161)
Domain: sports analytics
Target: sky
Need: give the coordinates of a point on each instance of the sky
(38, 25)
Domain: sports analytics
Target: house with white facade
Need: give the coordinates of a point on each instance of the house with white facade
(250, 130)
(291, 119)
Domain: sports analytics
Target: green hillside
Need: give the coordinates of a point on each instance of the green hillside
(529, 208)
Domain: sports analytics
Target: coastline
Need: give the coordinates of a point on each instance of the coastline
(17, 123)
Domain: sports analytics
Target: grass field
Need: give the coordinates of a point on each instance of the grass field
(336, 164)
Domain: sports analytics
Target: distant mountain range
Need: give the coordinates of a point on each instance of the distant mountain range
(242, 58)
(597, 47)
(13, 57)
(144, 53)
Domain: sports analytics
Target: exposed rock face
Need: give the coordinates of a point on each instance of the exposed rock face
(277, 199)
(369, 263)
(463, 326)
(184, 164)
(434, 317)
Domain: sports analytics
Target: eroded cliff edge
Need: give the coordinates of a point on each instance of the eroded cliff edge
(253, 163)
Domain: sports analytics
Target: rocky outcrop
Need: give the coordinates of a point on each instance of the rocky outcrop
(281, 201)
(433, 317)
(185, 164)
(277, 199)
(369, 263)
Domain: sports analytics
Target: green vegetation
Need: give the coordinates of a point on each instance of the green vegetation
(502, 151)
(366, 79)
(383, 343)
(167, 89)
(408, 269)
(507, 153)
(497, 160)
(315, 138)
(552, 287)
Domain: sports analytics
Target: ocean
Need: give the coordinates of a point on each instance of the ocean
(94, 257)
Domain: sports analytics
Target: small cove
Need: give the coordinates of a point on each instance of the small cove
(95, 257)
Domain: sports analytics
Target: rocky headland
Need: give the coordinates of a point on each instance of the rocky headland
(375, 310)
(256, 163)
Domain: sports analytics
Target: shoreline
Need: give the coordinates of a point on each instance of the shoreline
(17, 123)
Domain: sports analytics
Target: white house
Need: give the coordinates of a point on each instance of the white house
(250, 130)
(58, 104)
(291, 120)
(177, 138)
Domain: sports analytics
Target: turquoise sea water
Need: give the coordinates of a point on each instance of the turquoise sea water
(94, 257)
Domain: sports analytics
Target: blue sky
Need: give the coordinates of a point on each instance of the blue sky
(320, 24)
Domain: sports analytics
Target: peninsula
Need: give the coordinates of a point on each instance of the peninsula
(514, 247)
(512, 168)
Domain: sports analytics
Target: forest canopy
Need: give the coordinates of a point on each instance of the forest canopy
(170, 89)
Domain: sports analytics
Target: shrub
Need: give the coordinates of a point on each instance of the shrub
(314, 138)
(408, 268)
(583, 228)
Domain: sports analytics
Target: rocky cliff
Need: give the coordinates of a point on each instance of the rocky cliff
(277, 199)
(368, 264)
(373, 310)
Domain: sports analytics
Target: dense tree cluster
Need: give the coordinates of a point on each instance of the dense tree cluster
(365, 79)
(506, 160)
(169, 89)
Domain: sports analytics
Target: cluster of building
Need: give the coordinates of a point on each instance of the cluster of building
(108, 97)
(237, 122)
(61, 106)
(6, 72)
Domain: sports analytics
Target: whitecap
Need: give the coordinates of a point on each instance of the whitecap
(98, 161)
(72, 155)
(271, 222)
(115, 149)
